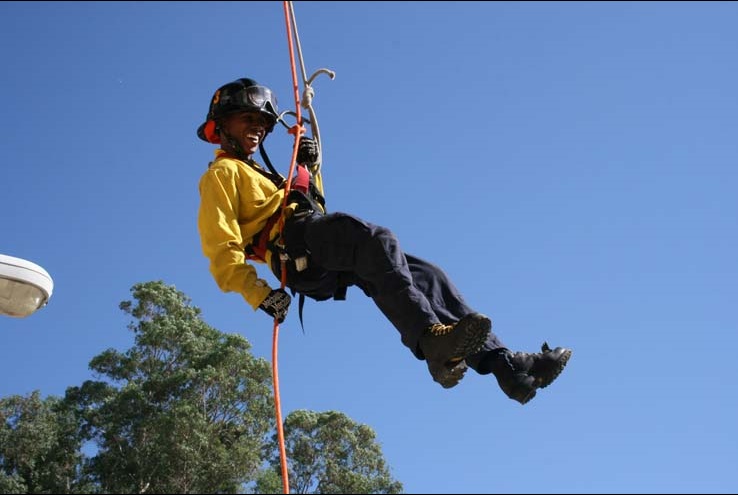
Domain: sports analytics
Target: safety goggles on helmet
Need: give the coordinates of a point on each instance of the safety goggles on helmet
(258, 98)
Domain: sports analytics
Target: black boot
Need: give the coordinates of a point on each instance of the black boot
(520, 374)
(446, 346)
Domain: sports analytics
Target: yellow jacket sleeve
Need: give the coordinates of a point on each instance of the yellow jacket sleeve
(235, 203)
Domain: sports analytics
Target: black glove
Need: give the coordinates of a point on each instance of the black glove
(308, 152)
(276, 304)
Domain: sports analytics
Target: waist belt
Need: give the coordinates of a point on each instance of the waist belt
(257, 249)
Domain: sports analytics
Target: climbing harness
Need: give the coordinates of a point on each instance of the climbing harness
(256, 250)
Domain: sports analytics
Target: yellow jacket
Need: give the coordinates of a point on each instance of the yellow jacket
(235, 203)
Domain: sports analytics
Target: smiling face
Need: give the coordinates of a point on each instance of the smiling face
(247, 129)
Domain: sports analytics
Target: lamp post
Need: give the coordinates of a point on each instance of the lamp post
(25, 287)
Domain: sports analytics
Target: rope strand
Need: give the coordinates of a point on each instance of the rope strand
(298, 131)
(308, 92)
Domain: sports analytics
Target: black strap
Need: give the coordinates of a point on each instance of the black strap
(300, 305)
(339, 295)
(268, 162)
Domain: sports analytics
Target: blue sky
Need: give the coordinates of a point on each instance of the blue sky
(571, 165)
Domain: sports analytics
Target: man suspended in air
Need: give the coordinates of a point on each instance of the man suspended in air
(241, 204)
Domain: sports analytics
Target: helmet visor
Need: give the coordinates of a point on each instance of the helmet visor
(256, 97)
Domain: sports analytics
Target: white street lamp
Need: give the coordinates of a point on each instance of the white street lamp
(24, 287)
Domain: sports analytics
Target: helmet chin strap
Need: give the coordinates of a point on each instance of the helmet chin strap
(268, 162)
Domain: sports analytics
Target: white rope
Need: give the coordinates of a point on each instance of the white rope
(308, 92)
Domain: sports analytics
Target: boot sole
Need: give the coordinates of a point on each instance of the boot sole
(448, 377)
(541, 377)
(476, 332)
(547, 379)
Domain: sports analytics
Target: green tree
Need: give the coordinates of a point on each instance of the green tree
(185, 410)
(328, 453)
(40, 448)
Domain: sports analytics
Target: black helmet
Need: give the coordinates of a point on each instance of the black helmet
(241, 95)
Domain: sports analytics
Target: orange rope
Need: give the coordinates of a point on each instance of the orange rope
(278, 406)
(298, 130)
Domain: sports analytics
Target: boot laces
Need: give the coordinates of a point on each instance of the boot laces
(438, 329)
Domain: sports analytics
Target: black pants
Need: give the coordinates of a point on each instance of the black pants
(344, 250)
